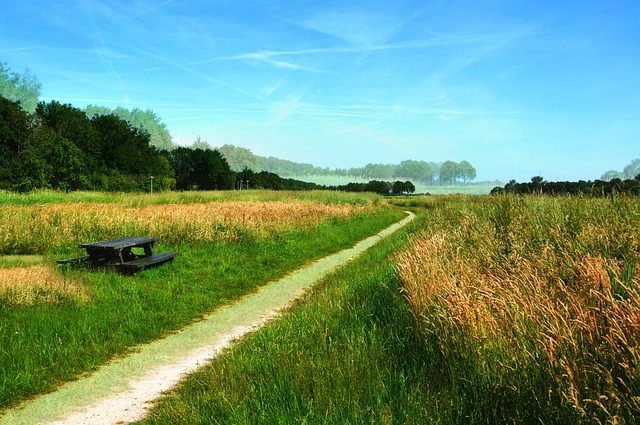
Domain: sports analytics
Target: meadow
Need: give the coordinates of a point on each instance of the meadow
(486, 310)
(58, 322)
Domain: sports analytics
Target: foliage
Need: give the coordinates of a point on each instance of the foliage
(144, 120)
(199, 169)
(59, 147)
(448, 172)
(240, 159)
(630, 172)
(596, 188)
(402, 188)
(23, 89)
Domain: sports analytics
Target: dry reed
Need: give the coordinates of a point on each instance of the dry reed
(37, 284)
(37, 228)
(534, 298)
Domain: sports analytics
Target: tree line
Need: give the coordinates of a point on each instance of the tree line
(103, 173)
(447, 172)
(59, 147)
(597, 188)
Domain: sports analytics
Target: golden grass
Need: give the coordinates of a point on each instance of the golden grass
(536, 300)
(37, 228)
(37, 284)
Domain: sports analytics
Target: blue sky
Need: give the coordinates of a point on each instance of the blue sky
(517, 88)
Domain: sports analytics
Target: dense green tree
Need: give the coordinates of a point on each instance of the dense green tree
(612, 174)
(63, 162)
(415, 170)
(448, 172)
(378, 186)
(15, 135)
(200, 169)
(466, 171)
(201, 144)
(182, 165)
(124, 148)
(402, 188)
(71, 124)
(146, 120)
(632, 169)
(21, 88)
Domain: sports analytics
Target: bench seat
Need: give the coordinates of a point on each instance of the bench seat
(74, 260)
(146, 262)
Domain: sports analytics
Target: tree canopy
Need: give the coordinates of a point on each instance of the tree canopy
(59, 147)
(146, 120)
(23, 89)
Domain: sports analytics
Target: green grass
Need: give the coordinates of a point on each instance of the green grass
(20, 260)
(132, 199)
(348, 353)
(45, 345)
(501, 310)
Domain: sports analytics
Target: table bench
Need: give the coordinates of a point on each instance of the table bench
(129, 254)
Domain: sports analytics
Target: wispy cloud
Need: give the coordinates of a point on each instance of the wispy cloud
(488, 42)
(107, 56)
(357, 27)
(276, 63)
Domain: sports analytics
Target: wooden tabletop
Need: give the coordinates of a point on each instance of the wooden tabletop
(120, 243)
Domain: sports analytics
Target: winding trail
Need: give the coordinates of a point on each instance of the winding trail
(121, 391)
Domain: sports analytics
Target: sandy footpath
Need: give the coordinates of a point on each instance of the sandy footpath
(122, 391)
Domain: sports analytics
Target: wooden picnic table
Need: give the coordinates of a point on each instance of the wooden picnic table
(131, 253)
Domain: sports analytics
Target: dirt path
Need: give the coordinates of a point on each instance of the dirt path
(120, 392)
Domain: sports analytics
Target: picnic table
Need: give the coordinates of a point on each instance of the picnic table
(130, 254)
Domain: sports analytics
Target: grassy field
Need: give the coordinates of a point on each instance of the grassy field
(532, 306)
(486, 310)
(58, 322)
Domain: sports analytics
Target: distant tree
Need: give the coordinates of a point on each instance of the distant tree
(632, 169)
(201, 144)
(200, 169)
(23, 89)
(402, 188)
(146, 120)
(378, 171)
(377, 186)
(239, 158)
(612, 174)
(416, 170)
(466, 171)
(448, 172)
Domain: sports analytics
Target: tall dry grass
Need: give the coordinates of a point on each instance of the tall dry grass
(29, 229)
(533, 305)
(22, 286)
